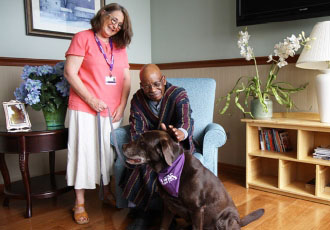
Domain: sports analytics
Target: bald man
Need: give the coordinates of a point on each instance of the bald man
(156, 105)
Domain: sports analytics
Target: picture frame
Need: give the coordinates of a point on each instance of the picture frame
(17, 119)
(59, 18)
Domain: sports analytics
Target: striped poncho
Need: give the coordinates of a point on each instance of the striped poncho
(139, 183)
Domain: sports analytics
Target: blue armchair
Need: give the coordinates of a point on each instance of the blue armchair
(210, 136)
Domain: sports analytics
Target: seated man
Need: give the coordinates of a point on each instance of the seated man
(157, 105)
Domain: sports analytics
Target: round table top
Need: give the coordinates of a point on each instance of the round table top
(36, 128)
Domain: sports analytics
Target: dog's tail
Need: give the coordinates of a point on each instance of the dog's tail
(252, 217)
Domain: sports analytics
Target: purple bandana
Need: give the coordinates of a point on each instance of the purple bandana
(170, 177)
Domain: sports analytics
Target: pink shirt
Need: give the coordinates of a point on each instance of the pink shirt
(94, 69)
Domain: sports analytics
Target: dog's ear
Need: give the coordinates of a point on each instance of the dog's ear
(167, 151)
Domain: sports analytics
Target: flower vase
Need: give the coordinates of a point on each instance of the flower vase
(55, 119)
(257, 110)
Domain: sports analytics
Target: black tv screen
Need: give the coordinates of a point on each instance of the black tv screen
(250, 12)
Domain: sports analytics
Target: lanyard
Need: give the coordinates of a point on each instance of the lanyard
(104, 55)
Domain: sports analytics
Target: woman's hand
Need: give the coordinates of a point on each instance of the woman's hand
(97, 104)
(118, 113)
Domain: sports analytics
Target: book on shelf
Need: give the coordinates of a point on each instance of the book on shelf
(267, 142)
(261, 139)
(270, 138)
(276, 140)
(285, 140)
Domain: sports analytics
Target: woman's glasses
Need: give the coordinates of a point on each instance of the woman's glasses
(114, 21)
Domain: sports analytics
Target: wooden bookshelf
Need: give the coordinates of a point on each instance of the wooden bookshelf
(288, 173)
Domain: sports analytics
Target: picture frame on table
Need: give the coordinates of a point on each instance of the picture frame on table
(17, 119)
(59, 18)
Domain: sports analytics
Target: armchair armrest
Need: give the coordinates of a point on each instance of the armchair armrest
(215, 137)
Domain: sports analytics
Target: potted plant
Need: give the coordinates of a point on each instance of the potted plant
(262, 93)
(45, 88)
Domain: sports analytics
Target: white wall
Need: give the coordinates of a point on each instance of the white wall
(15, 43)
(189, 30)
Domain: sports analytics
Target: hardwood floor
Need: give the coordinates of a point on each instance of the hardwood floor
(281, 212)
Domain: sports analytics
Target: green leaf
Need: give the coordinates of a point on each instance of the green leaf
(227, 104)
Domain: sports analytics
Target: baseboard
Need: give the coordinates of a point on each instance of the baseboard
(230, 169)
(61, 172)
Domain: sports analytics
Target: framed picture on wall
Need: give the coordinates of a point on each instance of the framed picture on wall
(59, 18)
(17, 119)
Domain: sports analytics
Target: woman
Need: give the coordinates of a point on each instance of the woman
(98, 72)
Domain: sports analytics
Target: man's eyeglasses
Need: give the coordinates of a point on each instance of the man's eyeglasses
(156, 84)
(114, 21)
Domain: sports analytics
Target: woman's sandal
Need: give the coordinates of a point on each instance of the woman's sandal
(81, 217)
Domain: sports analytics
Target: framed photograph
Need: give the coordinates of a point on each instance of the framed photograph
(17, 119)
(59, 18)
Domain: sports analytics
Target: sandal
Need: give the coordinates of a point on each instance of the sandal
(81, 217)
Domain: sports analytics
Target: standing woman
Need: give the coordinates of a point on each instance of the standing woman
(98, 72)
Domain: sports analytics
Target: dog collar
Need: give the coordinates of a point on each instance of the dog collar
(169, 178)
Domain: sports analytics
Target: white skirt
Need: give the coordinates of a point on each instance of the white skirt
(83, 167)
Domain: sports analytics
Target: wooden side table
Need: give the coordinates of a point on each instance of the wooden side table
(38, 140)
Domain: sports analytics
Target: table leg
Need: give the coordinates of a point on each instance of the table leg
(24, 167)
(52, 173)
(5, 175)
(52, 162)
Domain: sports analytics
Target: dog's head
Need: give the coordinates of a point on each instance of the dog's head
(155, 148)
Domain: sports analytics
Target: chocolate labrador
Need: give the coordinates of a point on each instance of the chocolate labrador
(196, 195)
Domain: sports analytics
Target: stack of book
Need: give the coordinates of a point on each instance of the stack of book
(276, 140)
(322, 153)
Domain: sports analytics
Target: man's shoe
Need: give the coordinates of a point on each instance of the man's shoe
(173, 225)
(139, 223)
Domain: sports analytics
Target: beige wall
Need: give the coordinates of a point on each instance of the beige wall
(233, 152)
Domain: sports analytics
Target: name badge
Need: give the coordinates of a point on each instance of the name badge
(110, 80)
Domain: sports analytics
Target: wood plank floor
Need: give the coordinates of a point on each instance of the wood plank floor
(281, 212)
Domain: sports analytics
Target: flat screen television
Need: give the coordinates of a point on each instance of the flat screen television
(250, 12)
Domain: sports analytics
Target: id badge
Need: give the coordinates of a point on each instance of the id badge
(110, 80)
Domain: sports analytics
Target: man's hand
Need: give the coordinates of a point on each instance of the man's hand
(175, 133)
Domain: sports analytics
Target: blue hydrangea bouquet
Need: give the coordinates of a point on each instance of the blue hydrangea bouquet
(43, 87)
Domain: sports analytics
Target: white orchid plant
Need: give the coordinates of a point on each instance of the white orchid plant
(253, 86)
